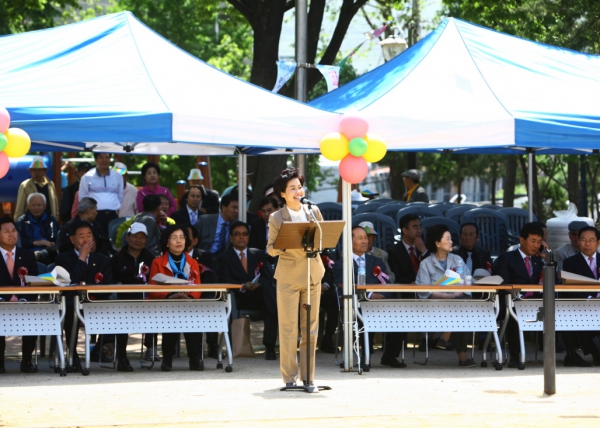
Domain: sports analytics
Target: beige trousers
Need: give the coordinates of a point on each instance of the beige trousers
(291, 299)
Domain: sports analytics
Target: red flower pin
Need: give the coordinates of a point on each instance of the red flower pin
(488, 267)
(193, 276)
(380, 275)
(376, 271)
(22, 272)
(98, 277)
(145, 269)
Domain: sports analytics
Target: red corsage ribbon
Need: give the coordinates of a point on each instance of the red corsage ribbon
(327, 261)
(144, 271)
(380, 275)
(488, 267)
(258, 268)
(22, 272)
(193, 275)
(98, 277)
(541, 281)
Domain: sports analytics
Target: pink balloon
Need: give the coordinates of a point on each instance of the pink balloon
(353, 127)
(4, 164)
(4, 119)
(353, 169)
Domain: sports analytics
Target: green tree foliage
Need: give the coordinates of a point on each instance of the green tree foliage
(17, 16)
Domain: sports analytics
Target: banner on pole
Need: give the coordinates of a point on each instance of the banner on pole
(285, 70)
(331, 73)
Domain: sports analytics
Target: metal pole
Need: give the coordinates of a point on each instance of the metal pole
(549, 327)
(300, 75)
(583, 192)
(348, 272)
(242, 186)
(530, 183)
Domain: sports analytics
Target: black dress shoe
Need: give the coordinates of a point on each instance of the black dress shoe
(2, 369)
(166, 365)
(393, 362)
(28, 367)
(214, 351)
(76, 365)
(270, 355)
(196, 365)
(575, 360)
(124, 366)
(513, 364)
(327, 347)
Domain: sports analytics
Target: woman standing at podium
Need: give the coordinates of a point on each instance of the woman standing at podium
(291, 279)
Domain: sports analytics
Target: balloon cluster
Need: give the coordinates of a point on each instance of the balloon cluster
(354, 147)
(14, 142)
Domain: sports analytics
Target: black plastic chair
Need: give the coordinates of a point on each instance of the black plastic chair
(331, 210)
(517, 217)
(458, 211)
(113, 226)
(370, 207)
(490, 206)
(390, 210)
(443, 206)
(454, 227)
(493, 229)
(422, 211)
(386, 228)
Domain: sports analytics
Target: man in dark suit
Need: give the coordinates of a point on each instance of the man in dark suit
(250, 267)
(521, 266)
(259, 228)
(404, 257)
(14, 258)
(474, 257)
(360, 244)
(213, 229)
(586, 264)
(84, 264)
(190, 213)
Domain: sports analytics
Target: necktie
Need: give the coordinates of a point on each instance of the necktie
(244, 261)
(528, 266)
(470, 262)
(222, 237)
(593, 267)
(193, 217)
(413, 259)
(10, 264)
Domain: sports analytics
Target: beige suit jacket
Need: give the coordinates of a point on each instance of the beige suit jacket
(292, 264)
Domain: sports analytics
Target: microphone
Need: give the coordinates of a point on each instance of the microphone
(306, 201)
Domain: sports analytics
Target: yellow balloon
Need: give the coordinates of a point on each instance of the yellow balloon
(334, 146)
(376, 149)
(18, 144)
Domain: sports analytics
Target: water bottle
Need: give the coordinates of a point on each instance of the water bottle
(460, 270)
(362, 273)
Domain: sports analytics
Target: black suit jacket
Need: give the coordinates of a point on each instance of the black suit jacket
(511, 267)
(258, 237)
(86, 272)
(182, 216)
(22, 258)
(579, 265)
(401, 265)
(206, 259)
(370, 263)
(479, 256)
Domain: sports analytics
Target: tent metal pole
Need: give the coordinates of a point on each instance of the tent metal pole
(300, 81)
(530, 183)
(242, 186)
(348, 273)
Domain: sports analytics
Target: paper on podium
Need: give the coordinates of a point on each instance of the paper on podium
(569, 278)
(490, 280)
(163, 279)
(58, 276)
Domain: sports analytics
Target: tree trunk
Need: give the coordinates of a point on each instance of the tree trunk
(397, 165)
(459, 192)
(538, 202)
(265, 168)
(573, 181)
(493, 190)
(510, 181)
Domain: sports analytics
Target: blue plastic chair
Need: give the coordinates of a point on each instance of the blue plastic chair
(452, 225)
(443, 206)
(113, 226)
(42, 268)
(493, 229)
(384, 226)
(517, 217)
(331, 210)
(390, 210)
(369, 207)
(383, 200)
(422, 211)
(457, 212)
(491, 206)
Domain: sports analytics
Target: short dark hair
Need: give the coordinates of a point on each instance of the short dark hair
(357, 227)
(532, 228)
(469, 223)
(583, 229)
(164, 237)
(281, 181)
(435, 234)
(151, 203)
(149, 165)
(406, 219)
(238, 223)
(194, 229)
(228, 198)
(268, 200)
(96, 154)
(194, 186)
(79, 224)
(7, 219)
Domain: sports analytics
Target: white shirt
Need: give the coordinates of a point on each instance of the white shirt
(107, 190)
(587, 259)
(128, 205)
(298, 215)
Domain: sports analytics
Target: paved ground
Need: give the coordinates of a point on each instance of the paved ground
(439, 394)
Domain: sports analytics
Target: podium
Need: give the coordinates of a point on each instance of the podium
(303, 236)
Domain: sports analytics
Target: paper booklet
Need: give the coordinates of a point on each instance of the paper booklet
(490, 280)
(58, 276)
(569, 278)
(450, 278)
(163, 279)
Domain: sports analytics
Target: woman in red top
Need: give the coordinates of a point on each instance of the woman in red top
(176, 263)
(151, 174)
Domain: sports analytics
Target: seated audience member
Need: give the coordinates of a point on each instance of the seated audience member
(474, 257)
(586, 264)
(543, 244)
(259, 228)
(209, 203)
(431, 270)
(360, 244)
(38, 229)
(68, 193)
(406, 256)
(87, 211)
(162, 221)
(377, 252)
(213, 229)
(330, 304)
(151, 175)
(149, 217)
(521, 266)
(85, 265)
(571, 248)
(131, 265)
(190, 213)
(15, 259)
(251, 268)
(176, 263)
(128, 204)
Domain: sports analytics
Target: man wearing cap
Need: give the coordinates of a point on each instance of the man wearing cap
(131, 265)
(569, 250)
(414, 191)
(68, 193)
(128, 205)
(38, 183)
(86, 211)
(38, 229)
(106, 187)
(377, 252)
